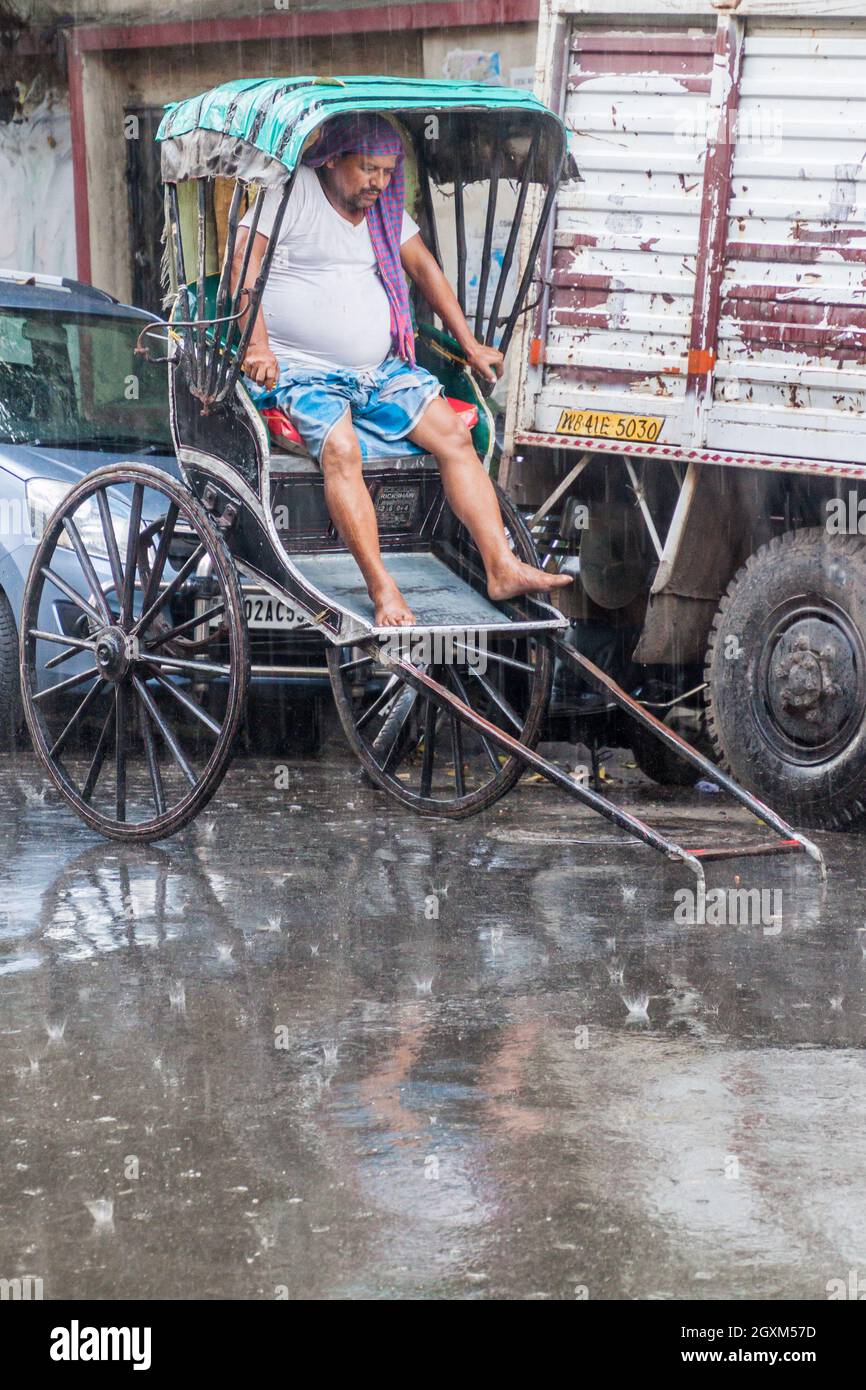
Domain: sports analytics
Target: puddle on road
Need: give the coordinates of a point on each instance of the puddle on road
(406, 1062)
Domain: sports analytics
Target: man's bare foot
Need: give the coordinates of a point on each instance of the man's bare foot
(391, 609)
(518, 578)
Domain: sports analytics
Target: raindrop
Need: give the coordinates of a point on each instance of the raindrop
(637, 1005)
(31, 795)
(423, 983)
(102, 1211)
(177, 996)
(55, 1031)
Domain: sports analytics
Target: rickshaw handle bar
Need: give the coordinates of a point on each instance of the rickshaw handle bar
(425, 685)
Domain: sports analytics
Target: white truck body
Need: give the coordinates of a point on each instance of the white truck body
(704, 294)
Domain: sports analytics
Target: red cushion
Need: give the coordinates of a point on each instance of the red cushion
(283, 431)
(280, 426)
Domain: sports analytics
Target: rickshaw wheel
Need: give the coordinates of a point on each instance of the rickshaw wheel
(134, 586)
(425, 757)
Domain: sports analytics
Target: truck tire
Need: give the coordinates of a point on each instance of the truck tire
(658, 762)
(786, 673)
(11, 711)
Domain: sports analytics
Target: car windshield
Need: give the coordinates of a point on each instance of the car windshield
(73, 381)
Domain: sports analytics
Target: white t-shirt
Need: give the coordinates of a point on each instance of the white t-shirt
(324, 303)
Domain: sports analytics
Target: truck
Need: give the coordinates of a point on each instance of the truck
(685, 420)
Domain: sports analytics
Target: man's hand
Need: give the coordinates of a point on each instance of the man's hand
(486, 361)
(261, 365)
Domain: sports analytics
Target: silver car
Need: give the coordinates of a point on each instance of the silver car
(74, 396)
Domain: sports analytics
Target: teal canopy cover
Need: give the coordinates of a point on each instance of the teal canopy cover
(253, 122)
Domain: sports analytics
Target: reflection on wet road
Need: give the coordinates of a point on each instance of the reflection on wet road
(317, 1047)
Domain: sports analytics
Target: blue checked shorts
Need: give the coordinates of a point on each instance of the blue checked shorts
(385, 404)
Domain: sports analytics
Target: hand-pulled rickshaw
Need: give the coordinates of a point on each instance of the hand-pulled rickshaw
(154, 631)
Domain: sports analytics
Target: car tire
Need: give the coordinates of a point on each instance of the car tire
(11, 710)
(786, 673)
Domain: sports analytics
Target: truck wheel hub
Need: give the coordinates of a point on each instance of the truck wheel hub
(813, 692)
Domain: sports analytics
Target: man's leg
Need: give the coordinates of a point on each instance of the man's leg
(472, 498)
(352, 512)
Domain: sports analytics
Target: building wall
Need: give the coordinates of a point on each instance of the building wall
(86, 12)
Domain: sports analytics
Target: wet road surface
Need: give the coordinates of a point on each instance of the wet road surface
(316, 1047)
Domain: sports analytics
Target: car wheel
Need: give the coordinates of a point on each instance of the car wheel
(11, 710)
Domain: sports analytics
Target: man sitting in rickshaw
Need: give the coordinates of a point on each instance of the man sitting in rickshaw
(333, 346)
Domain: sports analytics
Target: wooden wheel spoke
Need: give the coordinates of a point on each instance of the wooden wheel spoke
(128, 590)
(166, 733)
(188, 703)
(153, 581)
(382, 699)
(359, 661)
(168, 593)
(110, 541)
(150, 754)
(511, 661)
(430, 720)
(79, 714)
(497, 699)
(461, 690)
(187, 626)
(71, 594)
(99, 754)
(457, 753)
(120, 736)
(68, 684)
(86, 564)
(179, 663)
(73, 645)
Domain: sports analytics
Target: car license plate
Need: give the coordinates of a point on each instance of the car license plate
(264, 611)
(609, 424)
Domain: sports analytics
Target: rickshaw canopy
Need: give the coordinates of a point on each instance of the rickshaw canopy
(256, 129)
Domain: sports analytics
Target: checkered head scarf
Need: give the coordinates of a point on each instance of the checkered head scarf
(354, 133)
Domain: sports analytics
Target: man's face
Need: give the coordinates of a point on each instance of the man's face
(358, 179)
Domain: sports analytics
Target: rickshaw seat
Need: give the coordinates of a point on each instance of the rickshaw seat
(283, 432)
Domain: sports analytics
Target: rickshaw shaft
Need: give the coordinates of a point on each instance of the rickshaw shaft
(691, 755)
(442, 697)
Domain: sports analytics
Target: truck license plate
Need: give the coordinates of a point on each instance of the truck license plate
(608, 424)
